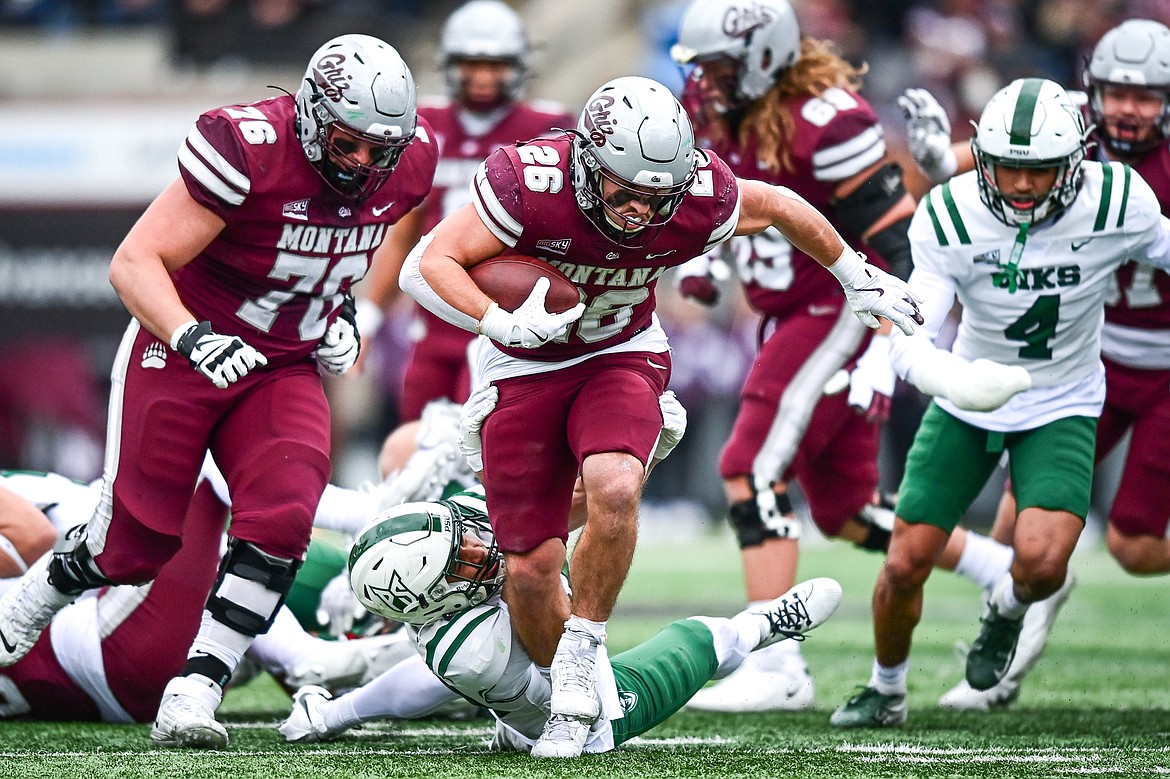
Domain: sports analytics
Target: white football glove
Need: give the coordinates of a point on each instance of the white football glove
(872, 292)
(529, 326)
(871, 384)
(481, 403)
(339, 607)
(225, 359)
(339, 349)
(674, 425)
(928, 133)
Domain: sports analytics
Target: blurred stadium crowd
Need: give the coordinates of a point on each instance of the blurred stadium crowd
(57, 350)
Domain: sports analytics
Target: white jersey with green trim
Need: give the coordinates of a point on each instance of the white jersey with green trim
(476, 654)
(64, 501)
(1033, 298)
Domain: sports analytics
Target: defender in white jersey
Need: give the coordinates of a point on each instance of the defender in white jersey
(1027, 243)
(436, 566)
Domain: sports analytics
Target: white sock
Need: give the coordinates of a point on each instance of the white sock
(220, 641)
(733, 640)
(984, 560)
(889, 681)
(285, 644)
(1003, 597)
(596, 630)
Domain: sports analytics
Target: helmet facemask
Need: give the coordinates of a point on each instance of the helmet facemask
(484, 31)
(356, 92)
(1133, 55)
(1031, 123)
(407, 566)
(633, 142)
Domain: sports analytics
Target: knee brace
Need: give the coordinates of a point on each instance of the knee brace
(763, 516)
(251, 588)
(72, 569)
(879, 523)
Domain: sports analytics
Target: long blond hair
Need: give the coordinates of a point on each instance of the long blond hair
(769, 119)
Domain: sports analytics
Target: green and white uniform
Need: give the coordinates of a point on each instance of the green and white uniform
(475, 654)
(1031, 298)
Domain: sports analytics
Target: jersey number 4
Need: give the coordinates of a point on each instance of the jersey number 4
(1036, 327)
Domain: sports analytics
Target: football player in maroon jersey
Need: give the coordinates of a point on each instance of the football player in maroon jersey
(1128, 103)
(241, 270)
(786, 110)
(613, 204)
(484, 54)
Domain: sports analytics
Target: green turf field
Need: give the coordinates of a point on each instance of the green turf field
(1096, 705)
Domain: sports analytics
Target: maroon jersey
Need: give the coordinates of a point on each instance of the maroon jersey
(438, 364)
(525, 196)
(1141, 296)
(462, 149)
(835, 136)
(292, 246)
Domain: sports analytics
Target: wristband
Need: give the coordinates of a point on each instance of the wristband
(180, 331)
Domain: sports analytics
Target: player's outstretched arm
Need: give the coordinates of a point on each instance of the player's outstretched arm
(871, 292)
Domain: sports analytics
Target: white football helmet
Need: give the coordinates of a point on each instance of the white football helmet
(360, 84)
(635, 134)
(485, 30)
(405, 565)
(761, 37)
(1134, 53)
(1030, 123)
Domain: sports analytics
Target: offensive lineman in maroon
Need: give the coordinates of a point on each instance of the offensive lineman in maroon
(240, 269)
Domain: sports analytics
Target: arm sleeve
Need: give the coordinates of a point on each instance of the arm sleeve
(412, 282)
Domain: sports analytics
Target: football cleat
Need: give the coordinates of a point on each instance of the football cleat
(186, 716)
(27, 609)
(306, 721)
(992, 652)
(762, 683)
(574, 691)
(799, 610)
(964, 697)
(343, 665)
(871, 709)
(562, 737)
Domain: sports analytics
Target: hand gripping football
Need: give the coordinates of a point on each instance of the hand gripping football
(508, 279)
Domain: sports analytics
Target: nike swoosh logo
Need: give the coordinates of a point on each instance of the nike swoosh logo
(653, 364)
(1078, 245)
(379, 211)
(659, 254)
(10, 648)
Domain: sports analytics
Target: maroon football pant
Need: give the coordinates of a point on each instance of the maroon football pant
(546, 424)
(147, 646)
(788, 429)
(1139, 399)
(269, 434)
(437, 367)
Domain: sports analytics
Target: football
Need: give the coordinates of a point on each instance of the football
(508, 279)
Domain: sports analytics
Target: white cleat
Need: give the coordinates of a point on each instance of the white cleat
(574, 692)
(343, 665)
(767, 681)
(562, 737)
(27, 609)
(306, 721)
(186, 716)
(804, 607)
(964, 697)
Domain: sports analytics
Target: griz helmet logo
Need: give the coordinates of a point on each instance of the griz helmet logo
(330, 77)
(740, 22)
(598, 121)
